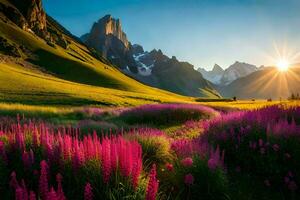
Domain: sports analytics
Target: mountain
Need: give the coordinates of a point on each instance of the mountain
(265, 83)
(235, 71)
(43, 63)
(152, 68)
(107, 37)
(158, 70)
(214, 75)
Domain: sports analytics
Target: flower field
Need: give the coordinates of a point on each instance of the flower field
(162, 151)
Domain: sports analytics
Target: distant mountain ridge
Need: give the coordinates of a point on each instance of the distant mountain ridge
(153, 68)
(215, 75)
(265, 83)
(224, 77)
(158, 70)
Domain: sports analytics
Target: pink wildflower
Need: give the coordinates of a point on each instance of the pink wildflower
(13, 181)
(212, 164)
(19, 194)
(137, 164)
(32, 196)
(187, 162)
(106, 161)
(25, 192)
(189, 179)
(43, 181)
(88, 193)
(169, 167)
(52, 195)
(60, 192)
(152, 187)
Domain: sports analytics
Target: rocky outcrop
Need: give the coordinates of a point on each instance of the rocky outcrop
(104, 31)
(30, 16)
(137, 49)
(34, 14)
(107, 37)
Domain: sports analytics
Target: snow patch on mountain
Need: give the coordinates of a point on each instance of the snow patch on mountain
(224, 77)
(143, 69)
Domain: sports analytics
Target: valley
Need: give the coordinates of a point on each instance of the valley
(92, 116)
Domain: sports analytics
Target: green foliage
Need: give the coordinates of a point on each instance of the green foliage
(166, 114)
(156, 149)
(207, 184)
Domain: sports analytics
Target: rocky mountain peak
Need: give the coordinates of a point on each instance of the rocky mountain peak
(217, 69)
(108, 25)
(242, 66)
(108, 38)
(237, 70)
(137, 49)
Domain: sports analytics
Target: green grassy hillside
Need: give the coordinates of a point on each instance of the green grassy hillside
(53, 75)
(39, 71)
(23, 85)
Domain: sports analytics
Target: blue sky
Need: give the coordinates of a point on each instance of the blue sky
(202, 32)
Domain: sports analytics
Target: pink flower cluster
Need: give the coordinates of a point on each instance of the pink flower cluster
(122, 154)
(189, 179)
(216, 159)
(21, 191)
(62, 146)
(152, 187)
(88, 193)
(187, 162)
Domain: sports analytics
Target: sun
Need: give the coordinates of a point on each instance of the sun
(282, 65)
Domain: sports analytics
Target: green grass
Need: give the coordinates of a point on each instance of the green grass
(69, 77)
(246, 104)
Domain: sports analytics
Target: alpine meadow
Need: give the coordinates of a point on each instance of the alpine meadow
(115, 100)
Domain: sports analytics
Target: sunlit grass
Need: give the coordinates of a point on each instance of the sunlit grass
(249, 104)
(70, 77)
(22, 108)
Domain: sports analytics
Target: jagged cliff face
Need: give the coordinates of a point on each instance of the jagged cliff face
(36, 16)
(32, 18)
(105, 28)
(113, 27)
(107, 37)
